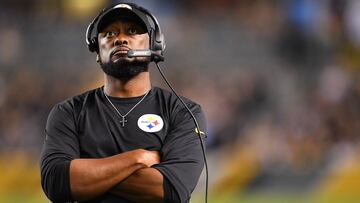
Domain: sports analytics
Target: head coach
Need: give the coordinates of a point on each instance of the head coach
(126, 141)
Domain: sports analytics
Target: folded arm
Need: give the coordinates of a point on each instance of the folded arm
(144, 185)
(90, 178)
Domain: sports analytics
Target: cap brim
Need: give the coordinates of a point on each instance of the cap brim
(117, 14)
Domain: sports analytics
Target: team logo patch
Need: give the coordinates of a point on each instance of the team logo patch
(150, 123)
(123, 6)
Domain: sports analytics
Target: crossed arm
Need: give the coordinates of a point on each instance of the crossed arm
(127, 175)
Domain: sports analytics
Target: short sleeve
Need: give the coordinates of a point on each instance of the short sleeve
(181, 156)
(59, 148)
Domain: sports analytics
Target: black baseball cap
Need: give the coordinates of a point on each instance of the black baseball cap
(123, 11)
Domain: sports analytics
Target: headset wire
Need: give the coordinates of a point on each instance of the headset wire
(198, 131)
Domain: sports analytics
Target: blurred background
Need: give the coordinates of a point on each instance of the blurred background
(277, 79)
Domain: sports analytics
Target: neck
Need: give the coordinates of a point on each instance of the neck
(134, 87)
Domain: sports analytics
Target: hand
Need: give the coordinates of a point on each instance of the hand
(149, 158)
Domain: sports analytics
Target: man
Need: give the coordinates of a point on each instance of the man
(126, 141)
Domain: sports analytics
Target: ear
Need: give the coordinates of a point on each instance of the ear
(97, 58)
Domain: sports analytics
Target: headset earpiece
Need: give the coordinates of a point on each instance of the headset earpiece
(93, 46)
(151, 35)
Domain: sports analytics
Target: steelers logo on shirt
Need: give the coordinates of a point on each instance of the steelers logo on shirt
(150, 123)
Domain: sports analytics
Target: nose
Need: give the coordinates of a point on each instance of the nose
(121, 39)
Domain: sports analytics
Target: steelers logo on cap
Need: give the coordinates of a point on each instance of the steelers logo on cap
(123, 6)
(150, 123)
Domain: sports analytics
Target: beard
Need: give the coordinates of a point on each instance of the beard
(124, 69)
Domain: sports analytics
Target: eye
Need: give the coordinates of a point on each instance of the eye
(110, 34)
(132, 30)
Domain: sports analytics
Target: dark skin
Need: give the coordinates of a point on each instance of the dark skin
(129, 174)
(118, 38)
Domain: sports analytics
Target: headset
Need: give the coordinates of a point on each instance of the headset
(157, 41)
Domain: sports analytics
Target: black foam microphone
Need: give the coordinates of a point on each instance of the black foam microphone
(145, 53)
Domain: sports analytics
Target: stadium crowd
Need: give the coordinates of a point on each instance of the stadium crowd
(278, 81)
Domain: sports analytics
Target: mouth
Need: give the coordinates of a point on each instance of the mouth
(120, 52)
